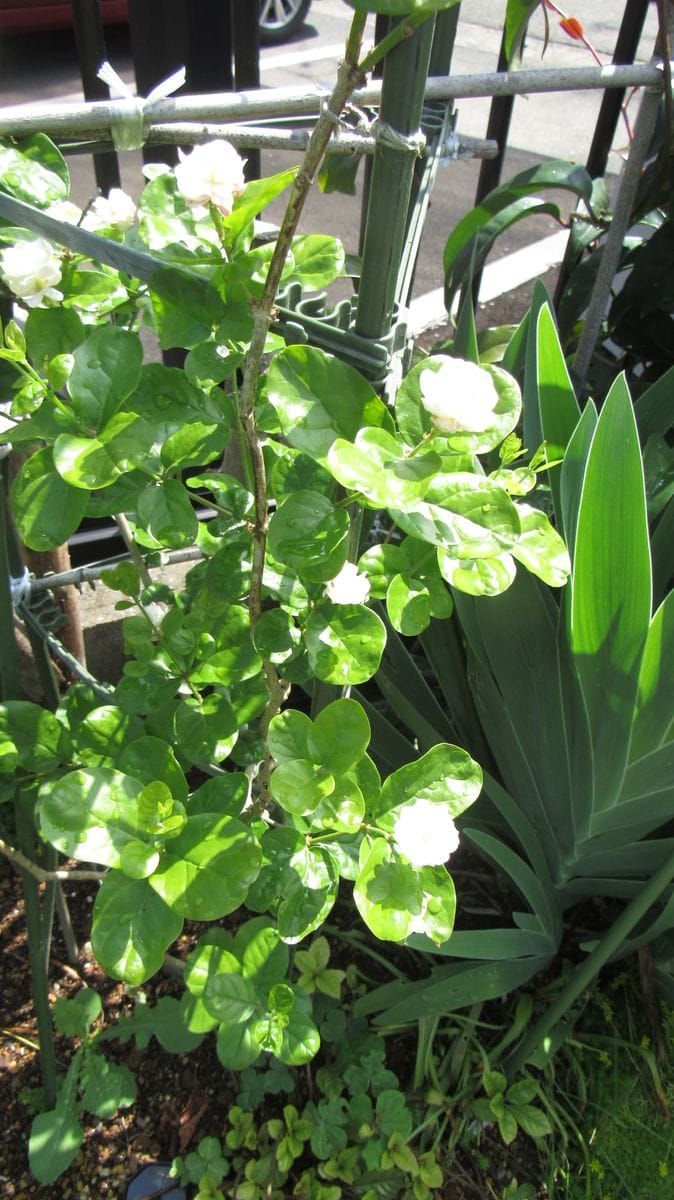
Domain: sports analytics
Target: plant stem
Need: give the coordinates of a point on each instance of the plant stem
(132, 546)
(402, 30)
(39, 979)
(586, 971)
(25, 865)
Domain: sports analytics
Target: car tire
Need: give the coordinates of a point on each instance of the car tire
(280, 19)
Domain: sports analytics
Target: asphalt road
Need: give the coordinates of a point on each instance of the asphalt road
(43, 67)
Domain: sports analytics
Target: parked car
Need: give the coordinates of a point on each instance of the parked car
(279, 19)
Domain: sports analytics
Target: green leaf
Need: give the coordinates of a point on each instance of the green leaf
(318, 260)
(237, 1047)
(299, 786)
(230, 998)
(149, 759)
(37, 740)
(317, 399)
(205, 871)
(375, 466)
(656, 683)
(55, 1138)
(310, 535)
(105, 372)
(91, 815)
(478, 576)
(288, 737)
(73, 1016)
(558, 409)
(301, 1040)
(408, 604)
(163, 1020)
(234, 657)
(393, 1115)
(540, 548)
(339, 736)
(187, 309)
(166, 513)
(104, 733)
(518, 13)
(51, 332)
(108, 1087)
(132, 928)
(445, 774)
(98, 462)
(47, 509)
(387, 893)
(309, 890)
(611, 591)
(255, 197)
(473, 237)
(344, 642)
(33, 170)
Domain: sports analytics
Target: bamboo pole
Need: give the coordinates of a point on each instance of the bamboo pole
(59, 120)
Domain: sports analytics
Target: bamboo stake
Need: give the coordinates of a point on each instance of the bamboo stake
(58, 120)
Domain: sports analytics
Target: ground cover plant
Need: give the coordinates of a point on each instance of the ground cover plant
(235, 783)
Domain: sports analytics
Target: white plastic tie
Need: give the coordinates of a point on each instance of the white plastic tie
(129, 114)
(451, 149)
(19, 588)
(414, 143)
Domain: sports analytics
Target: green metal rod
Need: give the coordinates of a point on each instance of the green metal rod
(405, 73)
(586, 972)
(10, 687)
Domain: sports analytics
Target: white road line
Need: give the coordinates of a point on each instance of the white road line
(499, 277)
(277, 62)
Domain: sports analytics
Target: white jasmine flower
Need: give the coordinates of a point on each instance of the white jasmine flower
(65, 210)
(425, 833)
(211, 174)
(30, 269)
(114, 211)
(349, 587)
(459, 397)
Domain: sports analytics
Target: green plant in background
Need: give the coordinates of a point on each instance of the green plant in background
(575, 703)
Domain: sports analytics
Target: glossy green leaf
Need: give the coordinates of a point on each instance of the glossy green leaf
(104, 733)
(132, 928)
(301, 1040)
(388, 893)
(289, 735)
(39, 741)
(166, 512)
(205, 872)
(317, 399)
(47, 509)
(478, 576)
(233, 657)
(467, 515)
(51, 332)
(375, 466)
(186, 309)
(33, 170)
(105, 372)
(276, 637)
(518, 13)
(339, 736)
(149, 759)
(310, 535)
(445, 774)
(299, 786)
(309, 890)
(237, 1047)
(255, 197)
(611, 592)
(92, 815)
(98, 462)
(344, 642)
(408, 604)
(206, 730)
(540, 548)
(473, 237)
(230, 998)
(318, 259)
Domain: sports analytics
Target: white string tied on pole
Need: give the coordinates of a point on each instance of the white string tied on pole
(129, 113)
(20, 587)
(386, 135)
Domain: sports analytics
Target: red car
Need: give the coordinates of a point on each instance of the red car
(279, 19)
